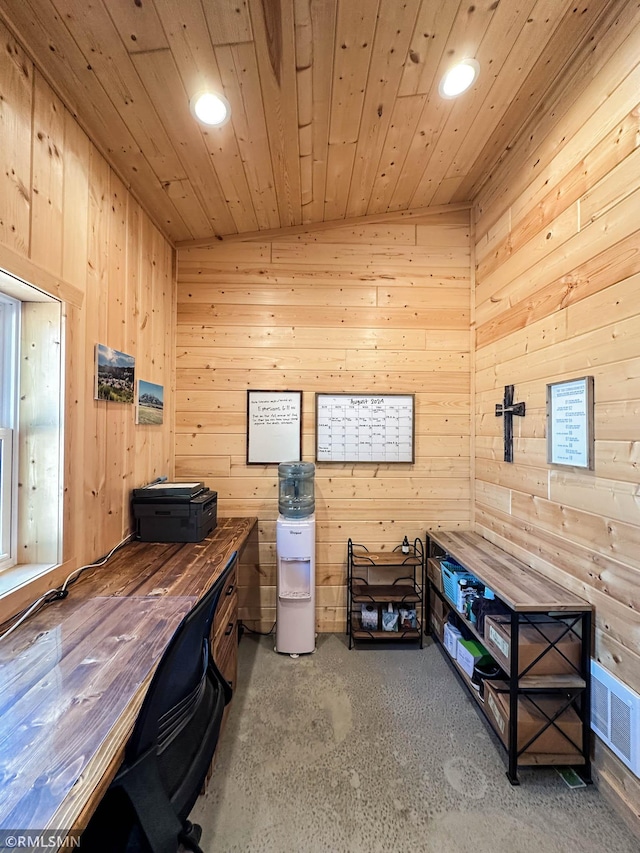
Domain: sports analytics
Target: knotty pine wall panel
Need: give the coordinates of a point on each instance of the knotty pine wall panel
(372, 309)
(557, 296)
(69, 226)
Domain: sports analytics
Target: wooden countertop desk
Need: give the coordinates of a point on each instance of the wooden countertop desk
(74, 676)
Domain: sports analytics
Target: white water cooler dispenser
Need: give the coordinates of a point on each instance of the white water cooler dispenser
(296, 559)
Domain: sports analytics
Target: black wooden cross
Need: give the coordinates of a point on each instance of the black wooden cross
(506, 410)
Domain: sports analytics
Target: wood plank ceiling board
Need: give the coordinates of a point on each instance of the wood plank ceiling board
(273, 28)
(523, 54)
(239, 71)
(355, 28)
(139, 25)
(402, 127)
(101, 45)
(393, 32)
(192, 47)
(229, 21)
(314, 63)
(335, 106)
(161, 79)
(571, 34)
(188, 38)
(469, 114)
(427, 46)
(191, 36)
(466, 35)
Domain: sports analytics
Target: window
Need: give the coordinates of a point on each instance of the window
(9, 321)
(31, 418)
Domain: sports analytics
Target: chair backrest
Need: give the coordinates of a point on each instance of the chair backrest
(179, 681)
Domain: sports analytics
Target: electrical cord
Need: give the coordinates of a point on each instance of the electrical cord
(75, 574)
(259, 633)
(62, 591)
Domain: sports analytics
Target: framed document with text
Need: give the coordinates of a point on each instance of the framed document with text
(570, 438)
(274, 427)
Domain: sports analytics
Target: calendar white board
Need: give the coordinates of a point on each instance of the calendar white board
(274, 427)
(364, 427)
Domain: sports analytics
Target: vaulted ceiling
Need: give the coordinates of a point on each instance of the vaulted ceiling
(335, 105)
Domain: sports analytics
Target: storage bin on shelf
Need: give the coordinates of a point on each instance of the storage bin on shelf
(434, 572)
(563, 737)
(452, 574)
(469, 653)
(534, 640)
(451, 637)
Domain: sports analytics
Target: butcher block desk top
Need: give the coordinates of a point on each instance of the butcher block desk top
(74, 676)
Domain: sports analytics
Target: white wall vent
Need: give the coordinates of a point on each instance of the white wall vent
(615, 716)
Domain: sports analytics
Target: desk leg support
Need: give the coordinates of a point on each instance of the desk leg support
(585, 702)
(512, 773)
(424, 590)
(427, 608)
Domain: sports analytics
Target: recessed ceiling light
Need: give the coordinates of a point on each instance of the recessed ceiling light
(458, 79)
(210, 108)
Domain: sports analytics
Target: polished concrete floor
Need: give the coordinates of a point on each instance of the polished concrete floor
(377, 750)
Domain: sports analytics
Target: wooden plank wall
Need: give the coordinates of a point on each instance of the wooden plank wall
(376, 308)
(558, 296)
(69, 225)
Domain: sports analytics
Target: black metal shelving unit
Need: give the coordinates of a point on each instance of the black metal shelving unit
(571, 688)
(405, 586)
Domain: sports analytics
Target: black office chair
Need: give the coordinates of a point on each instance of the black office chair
(171, 747)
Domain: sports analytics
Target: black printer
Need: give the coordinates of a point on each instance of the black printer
(174, 512)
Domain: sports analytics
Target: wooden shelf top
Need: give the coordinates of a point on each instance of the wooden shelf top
(390, 559)
(552, 682)
(403, 634)
(543, 759)
(519, 586)
(363, 593)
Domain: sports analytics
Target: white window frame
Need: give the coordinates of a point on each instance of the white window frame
(9, 386)
(36, 417)
(7, 504)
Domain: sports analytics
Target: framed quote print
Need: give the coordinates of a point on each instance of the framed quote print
(570, 438)
(274, 427)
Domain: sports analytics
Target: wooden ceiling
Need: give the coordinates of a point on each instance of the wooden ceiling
(335, 105)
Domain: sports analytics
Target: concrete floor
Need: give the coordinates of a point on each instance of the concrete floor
(376, 750)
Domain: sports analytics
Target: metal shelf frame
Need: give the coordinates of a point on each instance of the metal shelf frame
(410, 589)
(575, 687)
